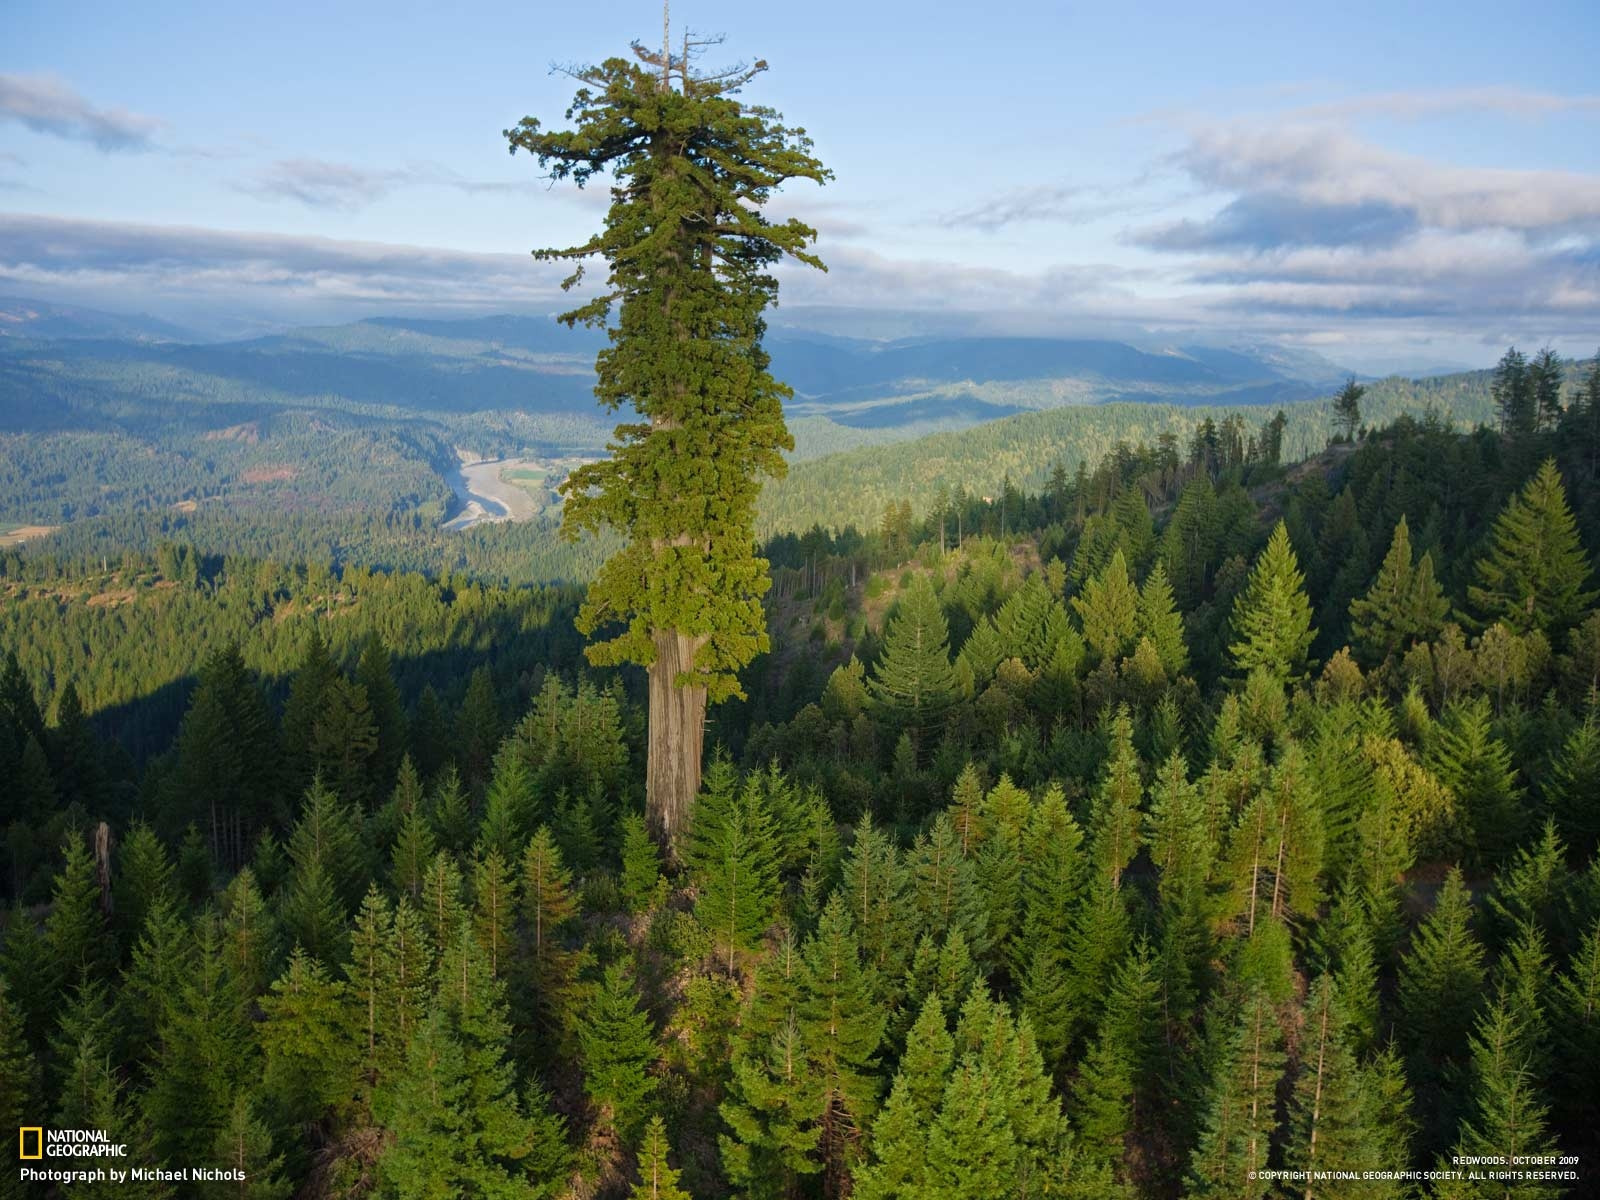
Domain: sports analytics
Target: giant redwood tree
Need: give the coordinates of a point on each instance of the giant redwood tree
(690, 256)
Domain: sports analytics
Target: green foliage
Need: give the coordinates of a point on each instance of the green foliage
(732, 857)
(1508, 1117)
(1109, 609)
(1240, 1110)
(1144, 970)
(1271, 616)
(912, 682)
(618, 1048)
(1404, 605)
(657, 1179)
(641, 864)
(1114, 821)
(1532, 575)
(308, 1051)
(460, 1128)
(1347, 408)
(1476, 767)
(686, 353)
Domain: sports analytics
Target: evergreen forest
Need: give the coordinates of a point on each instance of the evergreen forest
(1190, 816)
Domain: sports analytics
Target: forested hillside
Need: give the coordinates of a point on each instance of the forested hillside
(336, 443)
(854, 487)
(1137, 831)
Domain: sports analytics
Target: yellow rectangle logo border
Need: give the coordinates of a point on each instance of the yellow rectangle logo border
(22, 1142)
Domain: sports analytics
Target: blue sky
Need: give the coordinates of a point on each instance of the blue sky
(1385, 183)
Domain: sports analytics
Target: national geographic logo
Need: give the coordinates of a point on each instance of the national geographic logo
(34, 1142)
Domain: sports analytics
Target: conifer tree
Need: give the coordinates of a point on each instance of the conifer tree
(329, 835)
(76, 928)
(732, 856)
(450, 813)
(999, 1127)
(301, 711)
(1271, 617)
(1522, 979)
(1111, 1076)
(1440, 992)
(161, 961)
(509, 807)
(367, 979)
(310, 1059)
(1176, 832)
(899, 1135)
(689, 269)
(1532, 576)
(244, 1144)
(912, 682)
(1570, 786)
(1098, 940)
(1508, 1117)
(20, 1097)
(1476, 767)
(93, 1099)
(547, 907)
(375, 678)
(1404, 605)
(618, 1048)
(1533, 888)
(1575, 1022)
(1240, 1105)
(945, 890)
(873, 884)
(144, 878)
(1052, 881)
(401, 999)
(478, 726)
(344, 742)
(657, 1179)
(1114, 821)
(641, 864)
(414, 847)
(1329, 1115)
(1441, 978)
(84, 1040)
(313, 915)
(494, 905)
(1347, 408)
(1545, 375)
(773, 1109)
(442, 907)
(1160, 621)
(429, 734)
(1514, 399)
(1108, 607)
(202, 1055)
(459, 1127)
(250, 936)
(841, 1028)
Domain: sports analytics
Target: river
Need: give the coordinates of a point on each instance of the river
(484, 497)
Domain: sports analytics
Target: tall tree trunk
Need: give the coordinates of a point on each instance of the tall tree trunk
(677, 736)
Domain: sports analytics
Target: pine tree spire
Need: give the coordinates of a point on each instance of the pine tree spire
(1271, 616)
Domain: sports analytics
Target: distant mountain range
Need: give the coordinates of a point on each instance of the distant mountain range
(537, 367)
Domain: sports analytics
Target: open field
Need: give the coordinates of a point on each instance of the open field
(25, 533)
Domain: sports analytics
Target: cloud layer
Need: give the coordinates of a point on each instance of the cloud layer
(319, 183)
(1316, 223)
(47, 105)
(153, 261)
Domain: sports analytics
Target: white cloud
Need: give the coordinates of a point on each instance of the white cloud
(46, 104)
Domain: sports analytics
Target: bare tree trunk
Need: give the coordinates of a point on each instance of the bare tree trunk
(677, 736)
(102, 859)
